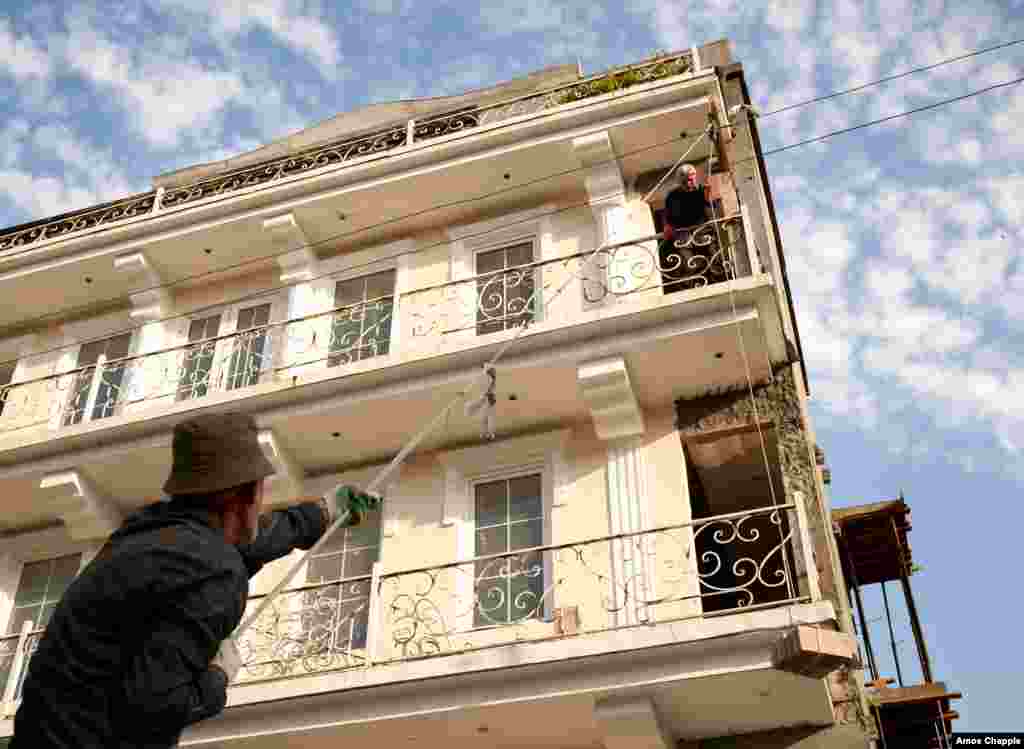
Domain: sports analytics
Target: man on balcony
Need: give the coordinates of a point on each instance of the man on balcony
(687, 207)
(140, 645)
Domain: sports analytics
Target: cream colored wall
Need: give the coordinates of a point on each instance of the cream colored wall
(151, 381)
(433, 606)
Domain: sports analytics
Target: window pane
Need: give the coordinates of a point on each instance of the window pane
(118, 346)
(21, 615)
(354, 589)
(334, 542)
(525, 497)
(520, 254)
(491, 602)
(492, 540)
(89, 354)
(487, 262)
(525, 591)
(32, 585)
(349, 292)
(491, 499)
(352, 622)
(380, 284)
(526, 534)
(324, 569)
(64, 571)
(359, 561)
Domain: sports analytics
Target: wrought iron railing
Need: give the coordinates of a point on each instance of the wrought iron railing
(104, 215)
(349, 149)
(465, 310)
(15, 653)
(711, 566)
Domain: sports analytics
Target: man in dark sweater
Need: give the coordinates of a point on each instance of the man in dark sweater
(686, 208)
(140, 645)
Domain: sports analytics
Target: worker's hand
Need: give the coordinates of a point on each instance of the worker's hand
(227, 659)
(355, 502)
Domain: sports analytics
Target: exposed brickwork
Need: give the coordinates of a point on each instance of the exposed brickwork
(778, 403)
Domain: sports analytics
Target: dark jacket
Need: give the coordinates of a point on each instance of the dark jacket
(125, 659)
(684, 208)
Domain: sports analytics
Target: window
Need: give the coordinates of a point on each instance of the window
(39, 589)
(110, 378)
(335, 615)
(509, 517)
(199, 357)
(6, 375)
(362, 328)
(505, 288)
(248, 354)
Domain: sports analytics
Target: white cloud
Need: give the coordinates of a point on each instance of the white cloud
(164, 97)
(304, 32)
(20, 55)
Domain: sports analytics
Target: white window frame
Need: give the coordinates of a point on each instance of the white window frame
(225, 341)
(546, 504)
(347, 267)
(533, 453)
(75, 336)
(534, 240)
(26, 549)
(353, 275)
(467, 240)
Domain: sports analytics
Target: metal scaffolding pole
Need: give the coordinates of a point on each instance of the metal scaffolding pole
(892, 636)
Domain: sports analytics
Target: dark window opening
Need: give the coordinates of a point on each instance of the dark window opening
(509, 517)
(362, 326)
(199, 358)
(249, 347)
(110, 379)
(505, 288)
(745, 560)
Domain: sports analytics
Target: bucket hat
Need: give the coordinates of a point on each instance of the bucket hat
(214, 452)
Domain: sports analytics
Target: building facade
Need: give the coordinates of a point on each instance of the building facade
(628, 545)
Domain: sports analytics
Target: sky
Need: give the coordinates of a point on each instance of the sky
(902, 240)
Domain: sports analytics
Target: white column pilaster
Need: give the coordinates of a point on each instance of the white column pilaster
(298, 265)
(145, 377)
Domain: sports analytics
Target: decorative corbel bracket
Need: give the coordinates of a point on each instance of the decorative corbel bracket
(631, 724)
(154, 301)
(86, 512)
(298, 261)
(608, 392)
(603, 177)
(288, 469)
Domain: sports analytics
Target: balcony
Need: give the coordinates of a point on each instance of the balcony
(389, 335)
(346, 151)
(736, 581)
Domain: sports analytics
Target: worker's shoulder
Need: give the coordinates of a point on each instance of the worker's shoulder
(177, 544)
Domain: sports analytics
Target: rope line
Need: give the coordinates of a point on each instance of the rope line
(381, 478)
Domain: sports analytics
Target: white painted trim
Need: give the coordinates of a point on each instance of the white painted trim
(185, 220)
(465, 468)
(633, 661)
(500, 231)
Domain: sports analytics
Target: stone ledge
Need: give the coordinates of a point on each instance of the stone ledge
(814, 651)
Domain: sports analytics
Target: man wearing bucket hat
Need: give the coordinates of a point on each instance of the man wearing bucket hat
(140, 646)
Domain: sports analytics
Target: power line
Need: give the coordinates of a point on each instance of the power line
(898, 115)
(465, 201)
(888, 78)
(356, 266)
